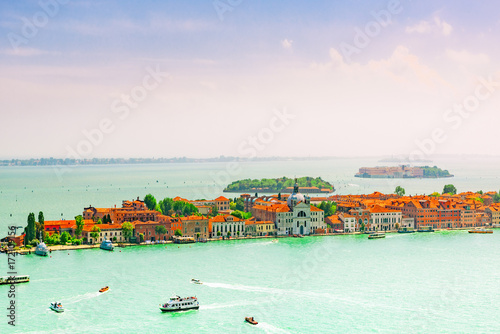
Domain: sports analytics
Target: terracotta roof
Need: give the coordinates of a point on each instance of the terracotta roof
(221, 198)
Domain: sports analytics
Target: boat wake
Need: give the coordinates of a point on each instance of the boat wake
(268, 328)
(228, 305)
(80, 298)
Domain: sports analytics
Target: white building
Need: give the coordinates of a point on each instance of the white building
(383, 219)
(349, 222)
(222, 225)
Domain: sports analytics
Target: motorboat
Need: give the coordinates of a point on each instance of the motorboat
(106, 288)
(406, 230)
(196, 281)
(376, 235)
(251, 320)
(14, 279)
(106, 245)
(42, 249)
(177, 303)
(57, 307)
(274, 240)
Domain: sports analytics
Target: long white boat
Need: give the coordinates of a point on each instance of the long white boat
(177, 303)
(14, 279)
(42, 249)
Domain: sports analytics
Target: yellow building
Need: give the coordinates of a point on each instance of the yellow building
(259, 228)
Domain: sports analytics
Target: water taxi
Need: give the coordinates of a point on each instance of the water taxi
(106, 288)
(57, 307)
(42, 249)
(177, 303)
(106, 245)
(14, 279)
(376, 235)
(251, 320)
(196, 281)
(481, 230)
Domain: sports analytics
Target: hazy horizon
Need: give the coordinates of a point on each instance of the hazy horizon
(251, 79)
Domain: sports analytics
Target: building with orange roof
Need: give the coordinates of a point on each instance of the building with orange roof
(349, 222)
(384, 219)
(335, 223)
(259, 228)
(195, 227)
(149, 230)
(226, 225)
(111, 232)
(493, 211)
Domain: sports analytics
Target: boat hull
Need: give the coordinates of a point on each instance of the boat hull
(481, 232)
(179, 309)
(42, 253)
(58, 310)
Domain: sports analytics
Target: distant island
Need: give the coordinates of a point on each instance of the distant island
(114, 161)
(403, 171)
(282, 185)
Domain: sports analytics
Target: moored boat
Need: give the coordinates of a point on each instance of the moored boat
(406, 230)
(14, 279)
(376, 235)
(57, 307)
(106, 245)
(425, 229)
(251, 320)
(106, 288)
(177, 303)
(196, 281)
(42, 249)
(481, 230)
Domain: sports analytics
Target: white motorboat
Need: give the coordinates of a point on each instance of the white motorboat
(42, 249)
(106, 245)
(196, 281)
(57, 307)
(177, 303)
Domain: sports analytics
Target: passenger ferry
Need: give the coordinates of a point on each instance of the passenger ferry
(14, 279)
(106, 245)
(42, 249)
(177, 303)
(481, 230)
(376, 235)
(57, 307)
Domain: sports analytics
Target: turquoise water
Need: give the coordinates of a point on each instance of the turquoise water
(424, 283)
(419, 283)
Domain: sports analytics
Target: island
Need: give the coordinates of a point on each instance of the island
(281, 185)
(402, 171)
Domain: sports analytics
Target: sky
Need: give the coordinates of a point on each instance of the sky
(205, 78)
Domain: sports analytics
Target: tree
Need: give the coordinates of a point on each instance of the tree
(397, 226)
(160, 229)
(41, 221)
(279, 196)
(141, 237)
(127, 229)
(178, 233)
(150, 201)
(94, 233)
(197, 236)
(450, 189)
(65, 237)
(228, 234)
(496, 197)
(31, 228)
(238, 233)
(99, 221)
(400, 191)
(218, 233)
(240, 204)
(56, 238)
(79, 225)
(34, 242)
(215, 210)
(166, 205)
(435, 194)
(362, 227)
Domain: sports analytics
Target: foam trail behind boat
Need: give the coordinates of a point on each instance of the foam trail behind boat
(268, 328)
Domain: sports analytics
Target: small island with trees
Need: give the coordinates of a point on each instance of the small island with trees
(282, 185)
(402, 171)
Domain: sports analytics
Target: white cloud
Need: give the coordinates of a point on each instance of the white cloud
(434, 26)
(26, 52)
(287, 43)
(464, 57)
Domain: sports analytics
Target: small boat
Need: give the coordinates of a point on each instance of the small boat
(376, 235)
(425, 229)
(106, 245)
(481, 230)
(106, 288)
(177, 303)
(42, 249)
(274, 240)
(251, 320)
(57, 307)
(14, 279)
(196, 281)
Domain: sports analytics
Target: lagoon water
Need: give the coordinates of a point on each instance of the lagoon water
(425, 283)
